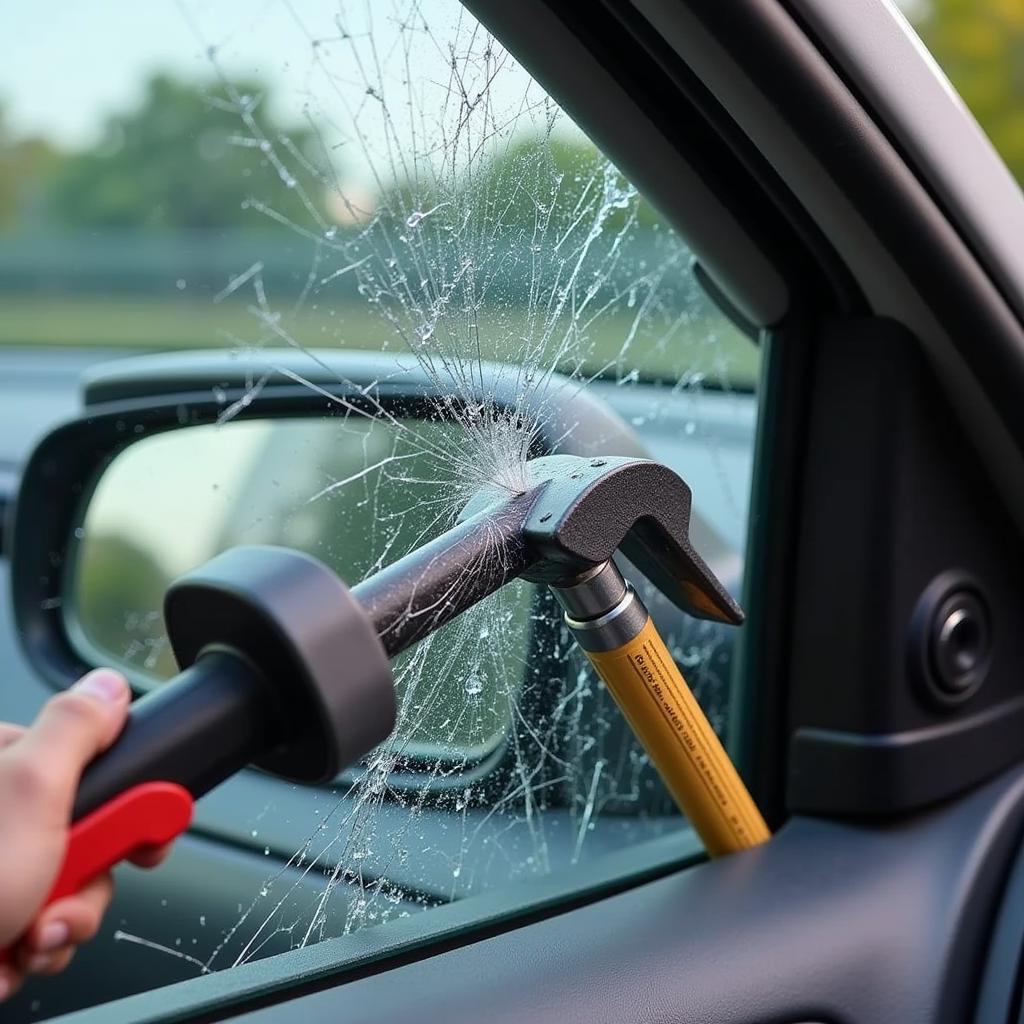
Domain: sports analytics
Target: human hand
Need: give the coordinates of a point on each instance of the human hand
(39, 772)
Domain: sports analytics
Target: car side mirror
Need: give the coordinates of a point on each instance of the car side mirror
(351, 457)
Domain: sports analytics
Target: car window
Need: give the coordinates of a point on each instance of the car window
(311, 177)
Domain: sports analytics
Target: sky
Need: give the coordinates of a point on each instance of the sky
(73, 63)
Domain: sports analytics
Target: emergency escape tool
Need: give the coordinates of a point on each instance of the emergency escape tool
(288, 669)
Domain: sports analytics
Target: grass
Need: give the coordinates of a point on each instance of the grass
(710, 346)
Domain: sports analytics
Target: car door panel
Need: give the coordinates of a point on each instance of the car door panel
(837, 921)
(161, 928)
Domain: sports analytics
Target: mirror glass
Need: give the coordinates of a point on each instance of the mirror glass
(353, 492)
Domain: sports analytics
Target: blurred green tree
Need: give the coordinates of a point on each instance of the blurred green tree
(980, 46)
(25, 167)
(184, 160)
(518, 186)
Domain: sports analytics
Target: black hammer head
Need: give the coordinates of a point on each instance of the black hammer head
(580, 511)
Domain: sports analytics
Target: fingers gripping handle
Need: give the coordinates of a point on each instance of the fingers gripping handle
(144, 817)
(282, 668)
(196, 730)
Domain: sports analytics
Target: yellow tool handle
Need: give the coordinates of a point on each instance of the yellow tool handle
(675, 732)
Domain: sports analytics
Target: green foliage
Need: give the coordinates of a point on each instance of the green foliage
(184, 160)
(980, 46)
(25, 167)
(533, 176)
(518, 187)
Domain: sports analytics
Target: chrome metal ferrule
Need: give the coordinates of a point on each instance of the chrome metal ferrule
(602, 609)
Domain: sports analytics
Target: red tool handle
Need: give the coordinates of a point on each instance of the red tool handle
(145, 816)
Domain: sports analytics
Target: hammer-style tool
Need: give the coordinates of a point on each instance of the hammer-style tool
(563, 531)
(286, 668)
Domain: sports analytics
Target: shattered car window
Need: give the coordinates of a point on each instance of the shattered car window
(328, 178)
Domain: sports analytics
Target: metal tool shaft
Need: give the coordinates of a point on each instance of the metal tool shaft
(428, 587)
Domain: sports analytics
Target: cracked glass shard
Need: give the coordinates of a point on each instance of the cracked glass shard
(449, 213)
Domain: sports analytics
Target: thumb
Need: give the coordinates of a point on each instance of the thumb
(72, 729)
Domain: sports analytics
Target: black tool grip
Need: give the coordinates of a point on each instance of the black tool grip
(197, 730)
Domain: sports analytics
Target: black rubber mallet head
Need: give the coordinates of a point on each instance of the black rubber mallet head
(282, 668)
